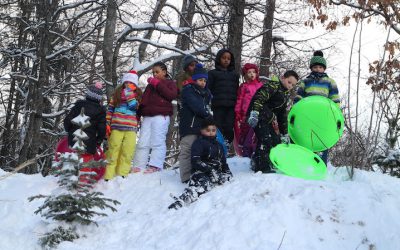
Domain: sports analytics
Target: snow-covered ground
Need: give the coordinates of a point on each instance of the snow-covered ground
(255, 211)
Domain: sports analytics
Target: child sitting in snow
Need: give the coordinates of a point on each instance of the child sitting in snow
(270, 101)
(209, 167)
(96, 132)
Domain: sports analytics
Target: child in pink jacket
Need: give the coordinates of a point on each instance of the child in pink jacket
(244, 134)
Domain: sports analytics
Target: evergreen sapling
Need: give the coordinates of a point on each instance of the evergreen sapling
(74, 202)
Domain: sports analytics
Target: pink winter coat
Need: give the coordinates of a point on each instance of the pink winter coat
(246, 92)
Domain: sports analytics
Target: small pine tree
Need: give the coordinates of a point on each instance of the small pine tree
(74, 201)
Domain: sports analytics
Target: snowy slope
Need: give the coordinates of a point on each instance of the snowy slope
(255, 211)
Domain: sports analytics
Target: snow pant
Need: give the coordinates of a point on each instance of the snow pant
(224, 117)
(266, 139)
(121, 147)
(185, 157)
(199, 184)
(152, 136)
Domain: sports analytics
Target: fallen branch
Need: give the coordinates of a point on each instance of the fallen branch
(22, 166)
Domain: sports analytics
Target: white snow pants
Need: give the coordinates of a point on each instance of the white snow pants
(152, 135)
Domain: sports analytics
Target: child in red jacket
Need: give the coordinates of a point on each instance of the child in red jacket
(156, 109)
(244, 134)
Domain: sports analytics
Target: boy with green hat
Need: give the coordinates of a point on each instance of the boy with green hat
(318, 83)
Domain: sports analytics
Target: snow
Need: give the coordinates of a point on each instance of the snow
(255, 211)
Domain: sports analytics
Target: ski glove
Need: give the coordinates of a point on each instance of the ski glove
(253, 119)
(285, 139)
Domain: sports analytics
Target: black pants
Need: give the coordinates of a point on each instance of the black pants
(199, 184)
(266, 139)
(225, 118)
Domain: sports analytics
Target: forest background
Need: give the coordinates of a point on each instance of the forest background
(50, 50)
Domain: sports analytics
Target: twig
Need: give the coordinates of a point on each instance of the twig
(22, 166)
(283, 236)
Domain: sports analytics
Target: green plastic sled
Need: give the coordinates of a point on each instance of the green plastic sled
(316, 123)
(298, 161)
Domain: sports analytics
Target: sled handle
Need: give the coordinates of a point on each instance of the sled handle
(292, 120)
(339, 125)
(316, 160)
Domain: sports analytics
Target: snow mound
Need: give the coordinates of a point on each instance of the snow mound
(254, 211)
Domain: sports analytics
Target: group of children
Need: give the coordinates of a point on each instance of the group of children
(207, 101)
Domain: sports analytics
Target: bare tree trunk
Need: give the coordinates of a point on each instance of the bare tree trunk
(267, 40)
(109, 33)
(235, 29)
(35, 104)
(7, 151)
(183, 41)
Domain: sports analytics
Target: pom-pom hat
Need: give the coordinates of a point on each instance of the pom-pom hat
(95, 91)
(131, 76)
(199, 72)
(318, 59)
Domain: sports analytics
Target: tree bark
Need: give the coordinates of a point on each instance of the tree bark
(8, 137)
(235, 30)
(34, 120)
(267, 40)
(108, 45)
(183, 41)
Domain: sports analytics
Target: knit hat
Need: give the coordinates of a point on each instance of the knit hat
(131, 76)
(199, 72)
(248, 66)
(318, 59)
(188, 59)
(94, 91)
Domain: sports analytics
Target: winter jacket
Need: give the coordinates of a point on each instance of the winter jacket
(97, 129)
(245, 94)
(123, 117)
(207, 154)
(271, 101)
(318, 84)
(223, 83)
(156, 100)
(194, 109)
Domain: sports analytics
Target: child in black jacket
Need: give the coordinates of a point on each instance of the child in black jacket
(97, 113)
(270, 103)
(209, 167)
(223, 82)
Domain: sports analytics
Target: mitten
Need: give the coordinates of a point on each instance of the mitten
(153, 81)
(253, 119)
(108, 131)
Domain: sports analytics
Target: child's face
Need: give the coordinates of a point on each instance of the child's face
(289, 82)
(190, 67)
(225, 60)
(209, 131)
(251, 74)
(201, 82)
(130, 85)
(318, 69)
(159, 73)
